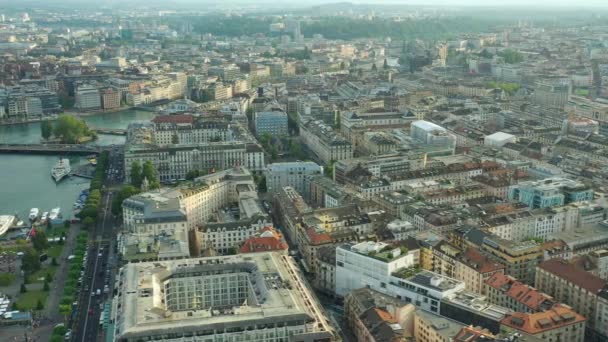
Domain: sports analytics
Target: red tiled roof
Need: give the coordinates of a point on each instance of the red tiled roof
(571, 273)
(262, 244)
(473, 334)
(522, 293)
(385, 316)
(535, 323)
(472, 258)
(317, 238)
(498, 280)
(182, 118)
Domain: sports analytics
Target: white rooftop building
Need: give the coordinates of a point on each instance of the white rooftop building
(253, 297)
(499, 139)
(392, 271)
(294, 174)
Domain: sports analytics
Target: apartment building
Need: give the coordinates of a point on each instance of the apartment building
(87, 98)
(474, 269)
(504, 290)
(391, 271)
(473, 309)
(519, 258)
(156, 228)
(110, 98)
(429, 327)
(173, 162)
(270, 122)
(560, 323)
(573, 286)
(231, 226)
(325, 276)
(544, 223)
(373, 316)
(431, 134)
(294, 174)
(199, 198)
(324, 142)
(551, 94)
(550, 192)
(185, 129)
(17, 106)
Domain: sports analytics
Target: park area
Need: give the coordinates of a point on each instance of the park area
(28, 267)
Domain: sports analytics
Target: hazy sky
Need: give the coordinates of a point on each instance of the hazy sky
(303, 3)
(392, 2)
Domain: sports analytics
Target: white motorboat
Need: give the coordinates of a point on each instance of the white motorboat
(61, 169)
(34, 214)
(55, 214)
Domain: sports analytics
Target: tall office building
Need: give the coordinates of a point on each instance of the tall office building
(87, 98)
(294, 174)
(273, 123)
(430, 133)
(551, 94)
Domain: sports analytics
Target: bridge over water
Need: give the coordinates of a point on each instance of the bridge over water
(49, 149)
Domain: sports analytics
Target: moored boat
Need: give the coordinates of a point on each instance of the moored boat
(33, 214)
(61, 169)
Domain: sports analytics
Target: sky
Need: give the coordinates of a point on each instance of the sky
(535, 3)
(551, 4)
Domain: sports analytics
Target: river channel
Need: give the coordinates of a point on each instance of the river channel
(25, 180)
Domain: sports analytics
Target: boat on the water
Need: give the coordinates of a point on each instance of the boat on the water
(33, 214)
(61, 169)
(6, 222)
(55, 214)
(45, 216)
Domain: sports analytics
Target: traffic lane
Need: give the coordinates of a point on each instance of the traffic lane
(92, 311)
(88, 286)
(98, 300)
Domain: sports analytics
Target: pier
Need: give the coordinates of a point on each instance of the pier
(49, 149)
(84, 171)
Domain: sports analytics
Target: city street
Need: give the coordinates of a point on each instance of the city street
(99, 269)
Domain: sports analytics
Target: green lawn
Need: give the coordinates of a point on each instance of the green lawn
(56, 231)
(28, 300)
(54, 251)
(6, 279)
(36, 276)
(15, 248)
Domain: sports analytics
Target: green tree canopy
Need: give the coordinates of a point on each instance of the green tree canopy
(192, 174)
(136, 174)
(39, 241)
(30, 261)
(149, 172)
(511, 56)
(124, 193)
(70, 129)
(88, 222)
(46, 129)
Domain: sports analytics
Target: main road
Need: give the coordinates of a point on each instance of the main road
(100, 267)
